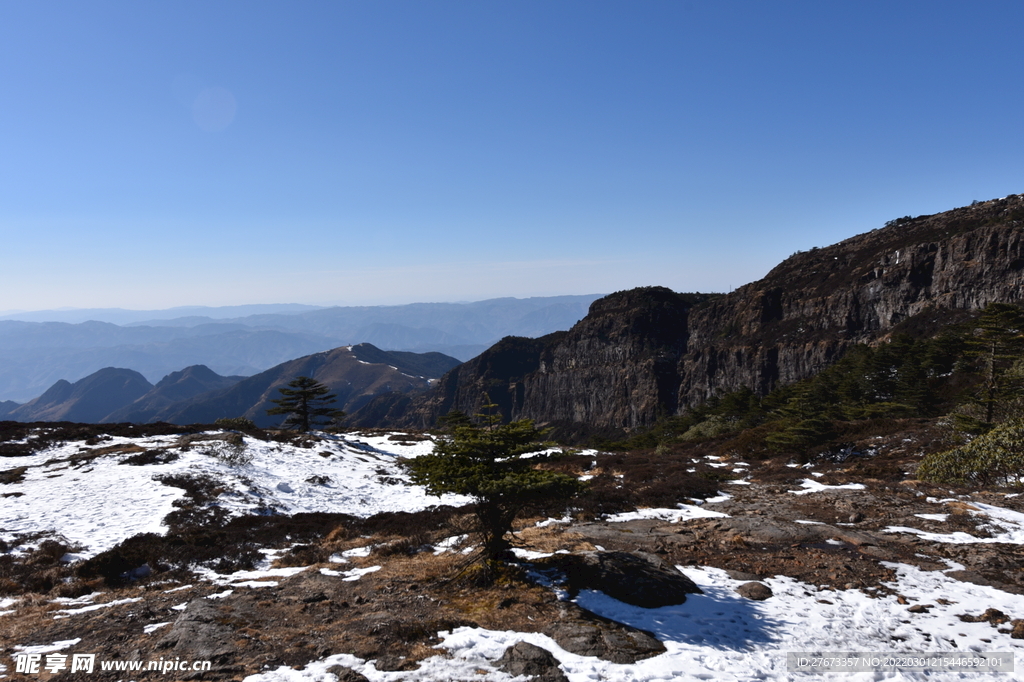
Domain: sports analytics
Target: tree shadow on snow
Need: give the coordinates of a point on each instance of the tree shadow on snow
(719, 618)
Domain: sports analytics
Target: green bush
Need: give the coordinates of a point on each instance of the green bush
(236, 424)
(995, 458)
(713, 426)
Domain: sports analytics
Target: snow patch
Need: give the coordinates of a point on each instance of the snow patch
(812, 486)
(684, 512)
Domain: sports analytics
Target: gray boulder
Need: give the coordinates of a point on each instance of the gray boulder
(344, 674)
(200, 632)
(754, 590)
(528, 659)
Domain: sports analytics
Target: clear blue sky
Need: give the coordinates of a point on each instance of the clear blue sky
(215, 153)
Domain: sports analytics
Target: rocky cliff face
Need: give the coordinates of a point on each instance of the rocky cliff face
(804, 314)
(650, 352)
(618, 366)
(496, 375)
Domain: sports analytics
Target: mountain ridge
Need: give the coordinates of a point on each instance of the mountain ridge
(354, 381)
(643, 354)
(87, 400)
(197, 394)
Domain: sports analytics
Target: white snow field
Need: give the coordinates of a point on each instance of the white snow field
(718, 635)
(103, 502)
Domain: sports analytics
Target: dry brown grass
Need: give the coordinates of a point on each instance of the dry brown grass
(960, 507)
(422, 569)
(549, 538)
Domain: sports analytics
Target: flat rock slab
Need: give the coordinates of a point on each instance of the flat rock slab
(605, 639)
(637, 530)
(629, 578)
(760, 529)
(976, 578)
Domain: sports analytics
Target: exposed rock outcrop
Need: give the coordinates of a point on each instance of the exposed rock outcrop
(539, 665)
(627, 577)
(808, 310)
(200, 631)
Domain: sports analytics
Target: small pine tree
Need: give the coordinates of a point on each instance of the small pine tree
(447, 423)
(490, 464)
(307, 403)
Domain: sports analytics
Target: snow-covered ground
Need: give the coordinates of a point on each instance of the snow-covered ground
(1005, 525)
(101, 503)
(718, 635)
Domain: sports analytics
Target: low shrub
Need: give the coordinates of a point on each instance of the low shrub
(750, 443)
(303, 555)
(644, 479)
(114, 564)
(236, 424)
(995, 458)
(229, 451)
(40, 570)
(712, 427)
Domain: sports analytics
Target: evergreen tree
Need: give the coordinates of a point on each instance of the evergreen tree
(307, 403)
(995, 344)
(491, 465)
(447, 423)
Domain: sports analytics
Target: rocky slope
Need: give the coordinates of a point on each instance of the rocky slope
(852, 555)
(642, 354)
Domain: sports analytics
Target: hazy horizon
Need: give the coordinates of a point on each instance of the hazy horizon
(311, 306)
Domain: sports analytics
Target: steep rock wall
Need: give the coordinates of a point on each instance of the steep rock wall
(805, 313)
(616, 367)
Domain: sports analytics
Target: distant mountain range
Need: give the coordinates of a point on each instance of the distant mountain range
(245, 340)
(123, 316)
(197, 394)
